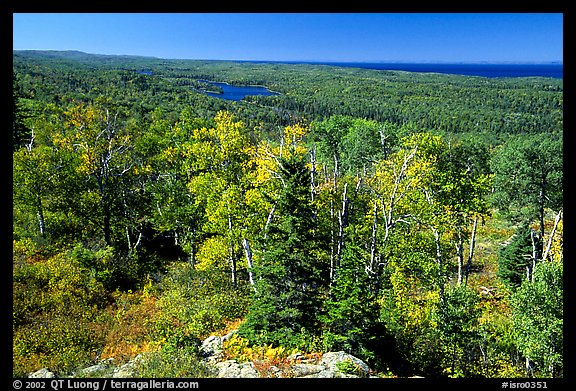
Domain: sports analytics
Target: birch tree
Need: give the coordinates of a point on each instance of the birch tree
(104, 147)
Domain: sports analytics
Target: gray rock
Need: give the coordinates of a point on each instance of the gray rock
(229, 335)
(324, 374)
(211, 346)
(306, 370)
(232, 369)
(332, 359)
(100, 368)
(128, 369)
(247, 370)
(43, 373)
(295, 357)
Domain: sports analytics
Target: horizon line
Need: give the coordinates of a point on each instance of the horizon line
(389, 61)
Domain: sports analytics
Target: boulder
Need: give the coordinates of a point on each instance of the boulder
(305, 370)
(127, 370)
(232, 369)
(98, 369)
(211, 346)
(229, 335)
(43, 373)
(332, 360)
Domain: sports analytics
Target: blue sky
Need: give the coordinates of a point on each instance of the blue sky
(411, 37)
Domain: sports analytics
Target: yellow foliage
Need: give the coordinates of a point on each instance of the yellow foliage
(87, 162)
(238, 348)
(61, 141)
(557, 248)
(213, 252)
(414, 305)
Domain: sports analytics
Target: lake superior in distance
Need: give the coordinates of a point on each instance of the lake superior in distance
(554, 70)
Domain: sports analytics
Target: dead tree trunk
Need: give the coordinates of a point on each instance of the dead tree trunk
(248, 254)
(440, 264)
(231, 254)
(342, 223)
(549, 245)
(41, 222)
(471, 253)
(460, 256)
(374, 232)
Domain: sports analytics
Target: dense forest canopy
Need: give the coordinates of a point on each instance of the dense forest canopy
(413, 220)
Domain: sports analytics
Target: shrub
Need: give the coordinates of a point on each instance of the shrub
(56, 304)
(193, 304)
(172, 363)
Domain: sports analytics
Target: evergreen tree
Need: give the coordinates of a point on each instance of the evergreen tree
(352, 313)
(458, 317)
(515, 257)
(289, 282)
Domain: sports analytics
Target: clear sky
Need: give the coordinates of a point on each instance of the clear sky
(406, 37)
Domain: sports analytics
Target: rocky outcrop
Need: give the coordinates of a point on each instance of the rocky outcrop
(105, 368)
(43, 373)
(330, 365)
(232, 369)
(212, 347)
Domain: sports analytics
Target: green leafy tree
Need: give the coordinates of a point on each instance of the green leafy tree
(174, 208)
(528, 178)
(538, 313)
(461, 183)
(45, 181)
(104, 147)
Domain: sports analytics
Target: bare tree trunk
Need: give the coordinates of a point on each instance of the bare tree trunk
(313, 173)
(41, 222)
(374, 232)
(269, 219)
(439, 261)
(460, 256)
(332, 240)
(248, 254)
(128, 240)
(342, 223)
(549, 245)
(231, 254)
(471, 253)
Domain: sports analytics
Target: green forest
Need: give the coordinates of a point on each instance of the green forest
(412, 220)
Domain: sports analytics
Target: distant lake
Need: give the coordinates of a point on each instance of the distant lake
(237, 93)
(554, 70)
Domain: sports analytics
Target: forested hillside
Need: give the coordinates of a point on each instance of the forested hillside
(412, 220)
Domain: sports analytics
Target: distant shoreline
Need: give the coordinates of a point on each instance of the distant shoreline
(490, 70)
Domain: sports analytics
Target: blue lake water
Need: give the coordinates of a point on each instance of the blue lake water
(554, 70)
(237, 93)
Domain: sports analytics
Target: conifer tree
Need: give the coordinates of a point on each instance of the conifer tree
(289, 281)
(515, 257)
(352, 313)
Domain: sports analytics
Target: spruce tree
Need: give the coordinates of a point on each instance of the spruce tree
(352, 312)
(515, 257)
(289, 283)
